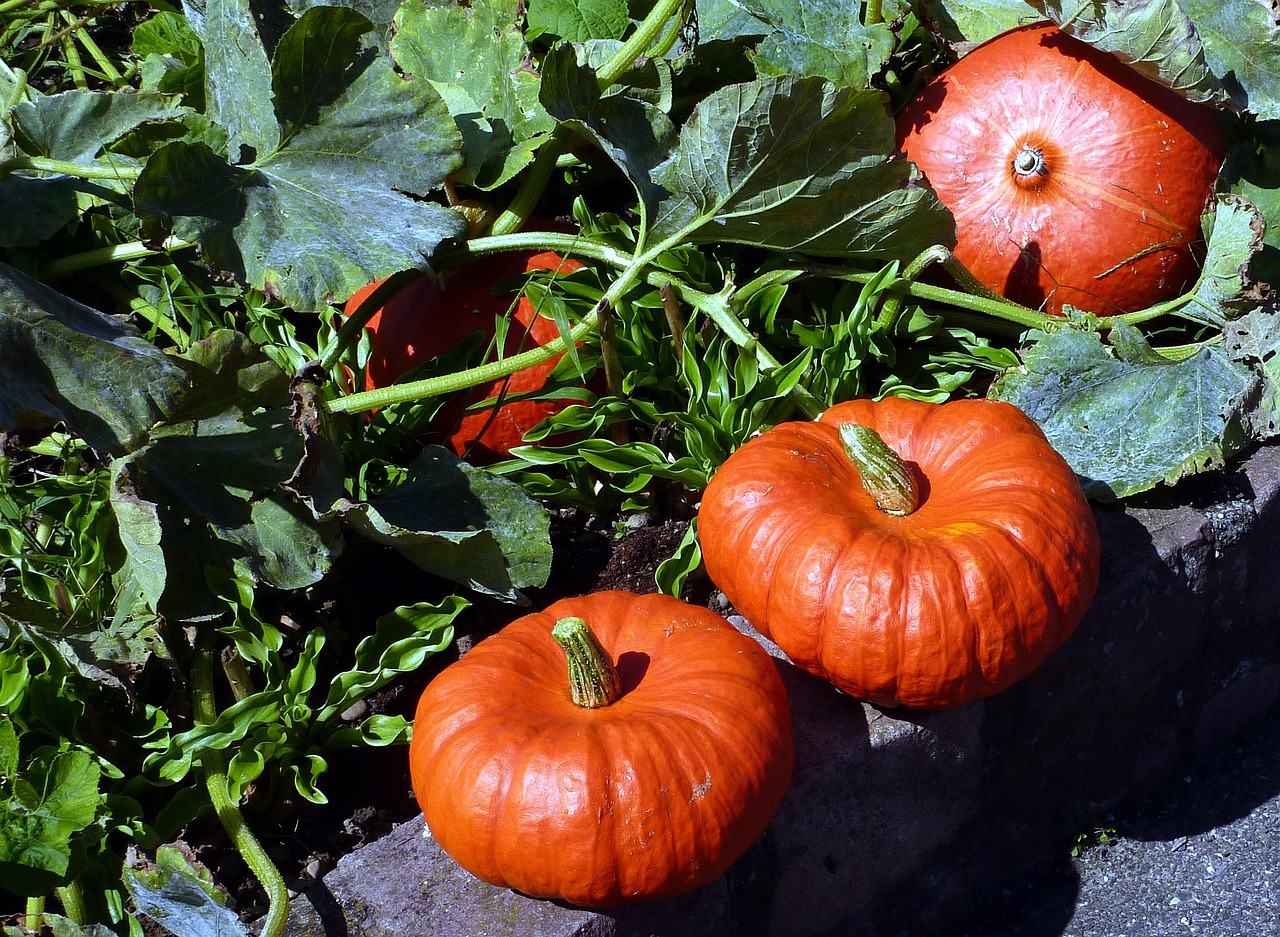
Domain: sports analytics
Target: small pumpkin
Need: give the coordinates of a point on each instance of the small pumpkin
(428, 317)
(930, 562)
(1072, 178)
(611, 748)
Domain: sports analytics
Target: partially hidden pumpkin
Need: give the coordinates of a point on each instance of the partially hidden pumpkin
(986, 565)
(1072, 178)
(643, 788)
(429, 316)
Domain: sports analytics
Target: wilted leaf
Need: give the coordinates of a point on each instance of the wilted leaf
(480, 73)
(1234, 232)
(460, 523)
(797, 164)
(61, 361)
(1154, 36)
(1127, 420)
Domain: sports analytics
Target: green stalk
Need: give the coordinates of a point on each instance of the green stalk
(884, 475)
(214, 767)
(113, 253)
(544, 164)
(109, 71)
(593, 678)
(72, 897)
(33, 919)
(875, 12)
(67, 168)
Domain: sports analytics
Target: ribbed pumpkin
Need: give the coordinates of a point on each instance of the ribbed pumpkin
(1072, 178)
(537, 771)
(428, 317)
(985, 567)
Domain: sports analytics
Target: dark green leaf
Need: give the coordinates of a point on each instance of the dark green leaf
(55, 796)
(797, 164)
(61, 361)
(578, 20)
(976, 20)
(461, 523)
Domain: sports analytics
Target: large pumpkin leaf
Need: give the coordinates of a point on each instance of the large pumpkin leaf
(796, 164)
(206, 489)
(461, 523)
(480, 74)
(1254, 172)
(1154, 36)
(73, 127)
(1234, 233)
(578, 20)
(336, 204)
(61, 361)
(823, 38)
(181, 896)
(1254, 340)
(1242, 45)
(1125, 417)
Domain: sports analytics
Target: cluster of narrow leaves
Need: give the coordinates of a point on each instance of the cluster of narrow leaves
(204, 462)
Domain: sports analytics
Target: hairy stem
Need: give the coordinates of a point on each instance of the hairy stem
(214, 768)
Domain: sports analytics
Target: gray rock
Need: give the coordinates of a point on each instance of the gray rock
(1179, 651)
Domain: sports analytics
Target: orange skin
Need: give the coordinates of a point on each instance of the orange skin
(653, 795)
(949, 604)
(426, 318)
(1072, 178)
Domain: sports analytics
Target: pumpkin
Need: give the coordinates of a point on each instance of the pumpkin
(611, 748)
(1073, 179)
(429, 317)
(913, 554)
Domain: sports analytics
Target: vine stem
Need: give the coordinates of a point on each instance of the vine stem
(875, 12)
(67, 168)
(113, 253)
(214, 767)
(33, 917)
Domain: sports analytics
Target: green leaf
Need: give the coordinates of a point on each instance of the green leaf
(1126, 418)
(796, 164)
(823, 38)
(337, 204)
(55, 797)
(1234, 234)
(578, 20)
(1155, 37)
(1242, 45)
(976, 20)
(1254, 340)
(481, 75)
(181, 897)
(1254, 172)
(401, 642)
(636, 134)
(76, 127)
(461, 523)
(61, 361)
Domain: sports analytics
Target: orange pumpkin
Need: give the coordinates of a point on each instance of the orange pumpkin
(1072, 178)
(428, 317)
(540, 766)
(985, 566)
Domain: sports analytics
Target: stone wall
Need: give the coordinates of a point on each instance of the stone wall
(1179, 651)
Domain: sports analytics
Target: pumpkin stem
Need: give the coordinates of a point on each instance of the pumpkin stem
(884, 474)
(593, 680)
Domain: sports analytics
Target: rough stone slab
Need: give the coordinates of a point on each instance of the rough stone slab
(1180, 649)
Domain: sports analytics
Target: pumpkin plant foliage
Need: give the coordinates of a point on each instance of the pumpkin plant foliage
(185, 442)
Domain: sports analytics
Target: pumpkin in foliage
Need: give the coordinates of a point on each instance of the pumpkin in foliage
(911, 553)
(1073, 179)
(429, 317)
(612, 748)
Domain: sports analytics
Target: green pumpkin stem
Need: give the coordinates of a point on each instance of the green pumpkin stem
(885, 476)
(593, 680)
